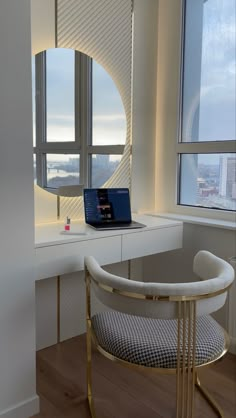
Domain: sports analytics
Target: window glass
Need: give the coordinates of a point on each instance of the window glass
(108, 119)
(60, 75)
(208, 180)
(102, 167)
(62, 170)
(209, 82)
(64, 108)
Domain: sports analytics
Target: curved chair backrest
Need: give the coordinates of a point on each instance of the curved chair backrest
(160, 300)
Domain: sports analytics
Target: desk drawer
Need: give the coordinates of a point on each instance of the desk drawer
(68, 258)
(142, 243)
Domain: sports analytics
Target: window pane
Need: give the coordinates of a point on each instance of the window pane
(60, 95)
(62, 170)
(109, 120)
(208, 180)
(209, 84)
(103, 166)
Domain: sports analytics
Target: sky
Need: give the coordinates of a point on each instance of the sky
(109, 121)
(216, 73)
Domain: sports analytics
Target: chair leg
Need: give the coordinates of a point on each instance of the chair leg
(89, 371)
(209, 398)
(185, 389)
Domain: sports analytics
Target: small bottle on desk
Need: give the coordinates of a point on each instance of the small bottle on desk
(67, 224)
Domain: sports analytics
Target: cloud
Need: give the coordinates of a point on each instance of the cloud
(218, 42)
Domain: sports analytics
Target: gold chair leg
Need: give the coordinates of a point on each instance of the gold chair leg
(89, 371)
(209, 398)
(186, 372)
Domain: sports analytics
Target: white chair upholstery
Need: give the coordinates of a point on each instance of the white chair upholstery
(215, 274)
(162, 326)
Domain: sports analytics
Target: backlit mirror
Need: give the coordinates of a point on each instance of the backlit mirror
(79, 122)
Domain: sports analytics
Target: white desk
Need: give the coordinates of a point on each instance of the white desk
(58, 254)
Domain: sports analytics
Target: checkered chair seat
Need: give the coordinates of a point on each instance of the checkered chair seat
(153, 342)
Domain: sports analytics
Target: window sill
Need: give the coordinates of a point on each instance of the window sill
(216, 223)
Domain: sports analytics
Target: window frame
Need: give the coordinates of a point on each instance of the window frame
(82, 145)
(203, 147)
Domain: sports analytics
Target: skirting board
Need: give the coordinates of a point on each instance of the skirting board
(25, 409)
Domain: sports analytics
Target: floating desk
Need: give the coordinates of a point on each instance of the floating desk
(58, 254)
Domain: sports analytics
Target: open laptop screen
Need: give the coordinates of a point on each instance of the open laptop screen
(107, 205)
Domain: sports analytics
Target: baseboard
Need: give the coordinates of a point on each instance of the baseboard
(232, 347)
(25, 409)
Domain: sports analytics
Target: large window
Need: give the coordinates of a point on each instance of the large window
(79, 120)
(207, 141)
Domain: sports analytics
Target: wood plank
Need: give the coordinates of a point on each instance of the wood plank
(118, 391)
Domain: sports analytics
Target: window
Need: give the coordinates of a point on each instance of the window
(79, 120)
(207, 141)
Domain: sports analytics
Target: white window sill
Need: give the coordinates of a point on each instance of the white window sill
(217, 223)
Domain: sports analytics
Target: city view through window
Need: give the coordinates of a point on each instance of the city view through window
(63, 169)
(61, 165)
(214, 184)
(208, 175)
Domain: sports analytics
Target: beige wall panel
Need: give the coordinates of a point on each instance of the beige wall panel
(42, 25)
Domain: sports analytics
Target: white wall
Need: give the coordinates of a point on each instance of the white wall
(17, 298)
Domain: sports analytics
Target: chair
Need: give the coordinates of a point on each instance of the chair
(164, 327)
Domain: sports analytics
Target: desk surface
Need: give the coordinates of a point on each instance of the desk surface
(50, 234)
(58, 254)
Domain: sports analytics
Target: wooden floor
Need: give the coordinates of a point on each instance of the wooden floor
(120, 392)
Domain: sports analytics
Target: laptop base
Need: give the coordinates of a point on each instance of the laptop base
(117, 226)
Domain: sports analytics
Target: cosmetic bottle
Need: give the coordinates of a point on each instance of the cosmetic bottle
(67, 224)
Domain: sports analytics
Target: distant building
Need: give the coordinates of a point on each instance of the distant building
(227, 183)
(204, 189)
(101, 160)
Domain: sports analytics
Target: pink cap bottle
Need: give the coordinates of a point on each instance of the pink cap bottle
(67, 225)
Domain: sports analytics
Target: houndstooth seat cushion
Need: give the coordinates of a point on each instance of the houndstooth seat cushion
(153, 342)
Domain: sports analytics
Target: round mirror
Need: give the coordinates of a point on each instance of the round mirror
(78, 119)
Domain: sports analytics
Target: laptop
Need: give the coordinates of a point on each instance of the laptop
(109, 209)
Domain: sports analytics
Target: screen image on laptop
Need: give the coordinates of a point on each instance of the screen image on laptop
(108, 209)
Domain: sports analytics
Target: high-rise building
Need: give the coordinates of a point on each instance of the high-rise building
(227, 183)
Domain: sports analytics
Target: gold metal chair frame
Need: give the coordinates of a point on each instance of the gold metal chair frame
(186, 371)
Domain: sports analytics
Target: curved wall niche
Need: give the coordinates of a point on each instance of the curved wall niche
(102, 30)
